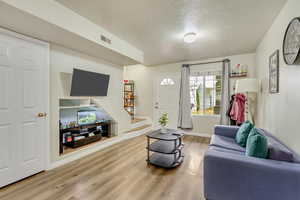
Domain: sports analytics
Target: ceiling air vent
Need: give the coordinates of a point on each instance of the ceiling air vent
(105, 39)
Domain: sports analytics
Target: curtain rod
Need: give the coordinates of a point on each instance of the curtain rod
(204, 63)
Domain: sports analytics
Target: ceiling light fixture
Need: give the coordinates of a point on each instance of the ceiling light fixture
(189, 37)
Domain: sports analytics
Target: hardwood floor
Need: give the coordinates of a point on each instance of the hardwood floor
(119, 172)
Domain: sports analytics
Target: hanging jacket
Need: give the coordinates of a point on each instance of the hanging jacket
(237, 112)
(232, 122)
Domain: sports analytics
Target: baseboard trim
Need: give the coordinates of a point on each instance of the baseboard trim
(92, 149)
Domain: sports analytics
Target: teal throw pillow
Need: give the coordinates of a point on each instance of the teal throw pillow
(257, 145)
(243, 132)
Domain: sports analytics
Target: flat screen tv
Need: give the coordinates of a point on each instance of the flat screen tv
(85, 83)
(86, 117)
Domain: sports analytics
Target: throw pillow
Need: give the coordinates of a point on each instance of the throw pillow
(243, 133)
(257, 145)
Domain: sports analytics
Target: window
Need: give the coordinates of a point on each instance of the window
(205, 89)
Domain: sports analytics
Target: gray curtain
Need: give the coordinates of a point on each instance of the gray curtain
(225, 98)
(185, 117)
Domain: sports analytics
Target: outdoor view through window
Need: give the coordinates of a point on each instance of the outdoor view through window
(205, 89)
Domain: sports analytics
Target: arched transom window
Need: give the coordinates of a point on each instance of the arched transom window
(167, 81)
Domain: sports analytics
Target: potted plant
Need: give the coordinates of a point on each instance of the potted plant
(163, 120)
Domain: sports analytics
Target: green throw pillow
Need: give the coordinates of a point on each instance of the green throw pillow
(257, 145)
(243, 132)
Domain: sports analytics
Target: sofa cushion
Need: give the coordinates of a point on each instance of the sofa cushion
(273, 142)
(257, 145)
(277, 152)
(226, 142)
(222, 149)
(243, 132)
(228, 131)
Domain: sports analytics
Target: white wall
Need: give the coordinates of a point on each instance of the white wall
(144, 77)
(279, 113)
(64, 60)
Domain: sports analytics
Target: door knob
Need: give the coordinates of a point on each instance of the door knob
(42, 114)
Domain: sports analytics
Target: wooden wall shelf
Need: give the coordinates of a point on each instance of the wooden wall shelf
(238, 76)
(129, 98)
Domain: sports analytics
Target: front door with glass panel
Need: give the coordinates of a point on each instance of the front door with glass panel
(166, 98)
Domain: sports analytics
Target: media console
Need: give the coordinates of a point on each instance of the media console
(81, 135)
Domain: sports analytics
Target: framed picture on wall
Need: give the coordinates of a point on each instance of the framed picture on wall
(274, 72)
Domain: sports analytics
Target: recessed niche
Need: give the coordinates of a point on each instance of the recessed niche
(82, 123)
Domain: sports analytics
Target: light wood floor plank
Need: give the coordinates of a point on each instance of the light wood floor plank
(119, 172)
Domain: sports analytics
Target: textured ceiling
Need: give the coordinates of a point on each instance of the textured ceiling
(224, 27)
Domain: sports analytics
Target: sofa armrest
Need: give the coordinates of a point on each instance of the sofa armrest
(229, 176)
(227, 131)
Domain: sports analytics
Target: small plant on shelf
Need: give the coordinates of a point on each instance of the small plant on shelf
(163, 121)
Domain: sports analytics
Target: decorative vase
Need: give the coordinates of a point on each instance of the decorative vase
(163, 129)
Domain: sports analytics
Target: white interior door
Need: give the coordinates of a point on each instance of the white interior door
(23, 94)
(166, 98)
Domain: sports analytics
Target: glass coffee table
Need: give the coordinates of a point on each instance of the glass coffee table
(166, 149)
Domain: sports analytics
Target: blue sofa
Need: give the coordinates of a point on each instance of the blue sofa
(231, 175)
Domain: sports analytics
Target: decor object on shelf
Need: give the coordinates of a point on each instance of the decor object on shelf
(163, 121)
(291, 43)
(249, 86)
(239, 71)
(274, 72)
(129, 97)
(166, 151)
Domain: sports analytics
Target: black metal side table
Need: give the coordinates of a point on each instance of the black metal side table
(166, 150)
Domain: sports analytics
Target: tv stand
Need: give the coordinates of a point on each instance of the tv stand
(81, 135)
